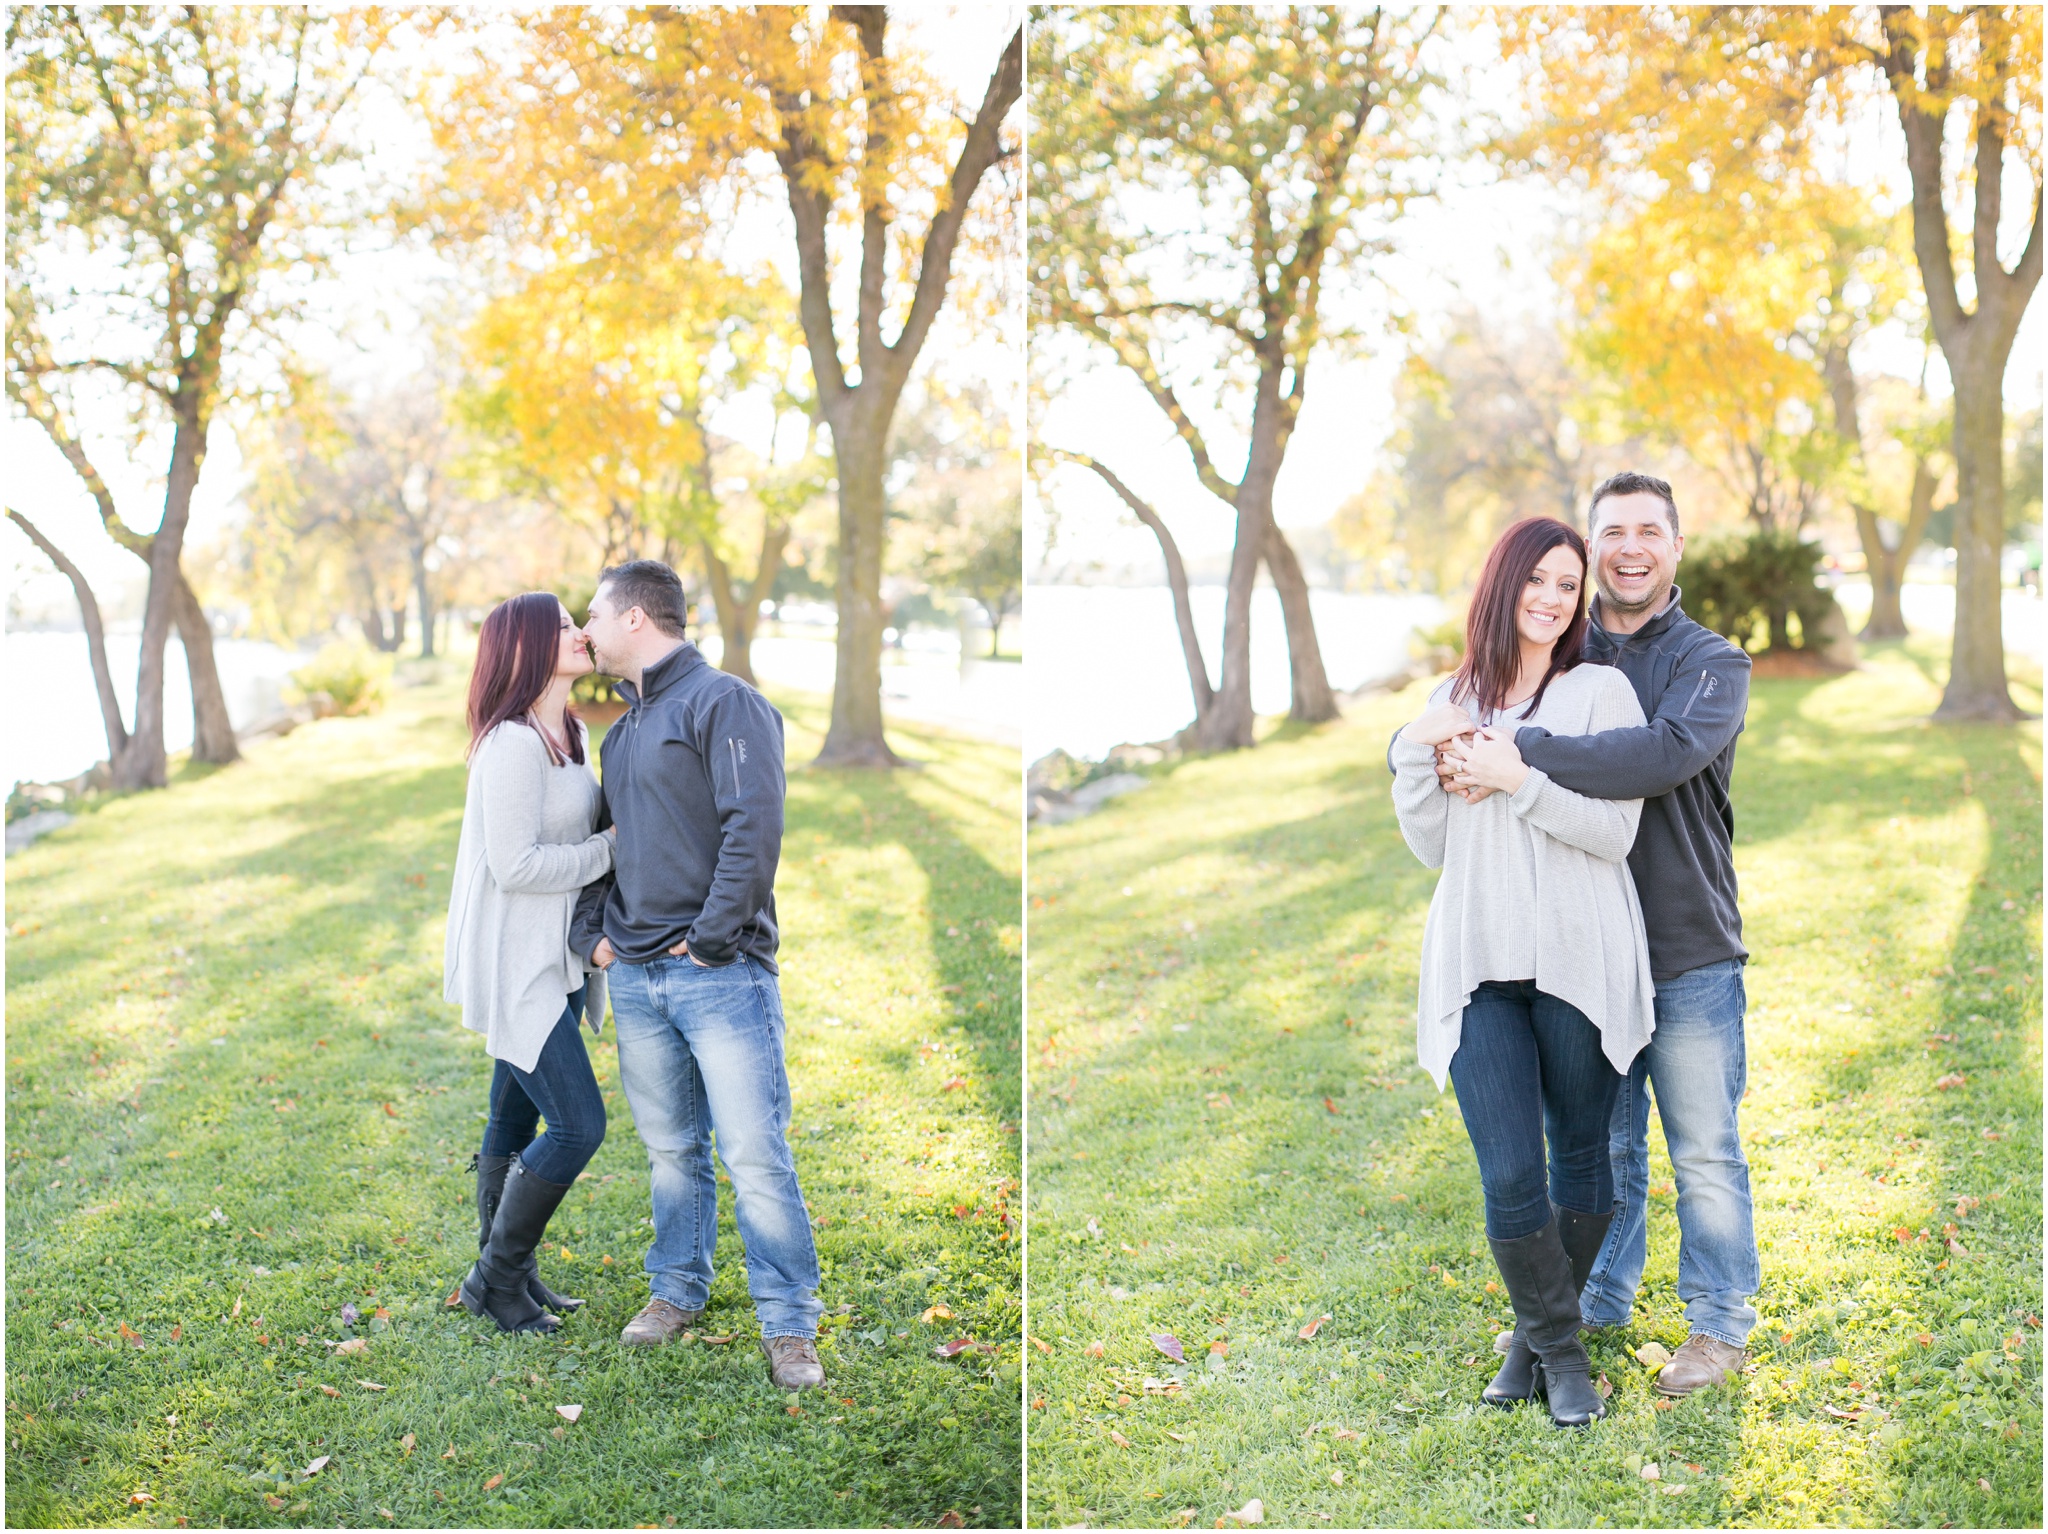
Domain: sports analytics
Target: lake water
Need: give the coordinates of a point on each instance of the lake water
(1106, 663)
(54, 729)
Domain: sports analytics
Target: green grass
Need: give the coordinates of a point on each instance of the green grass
(1230, 1137)
(236, 1102)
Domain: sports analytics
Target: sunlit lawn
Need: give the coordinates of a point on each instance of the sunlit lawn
(236, 1103)
(1230, 1138)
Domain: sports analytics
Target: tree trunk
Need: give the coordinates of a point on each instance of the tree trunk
(95, 637)
(213, 732)
(423, 596)
(735, 652)
(1177, 581)
(141, 763)
(1888, 565)
(855, 737)
(1976, 679)
(1312, 702)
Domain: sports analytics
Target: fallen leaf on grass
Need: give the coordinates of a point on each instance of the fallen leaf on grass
(317, 1465)
(451, 1452)
(454, 1298)
(386, 1514)
(1253, 1511)
(271, 1502)
(390, 1112)
(1652, 1355)
(1952, 1079)
(354, 1345)
(1118, 1439)
(1606, 1387)
(238, 1308)
(718, 1342)
(954, 1348)
(1328, 1103)
(1043, 1347)
(936, 1313)
(568, 1413)
(177, 1332)
(1153, 1387)
(494, 1483)
(407, 1442)
(1925, 1339)
(1177, 1438)
(329, 1390)
(372, 1385)
(1345, 1432)
(130, 1336)
(954, 1085)
(1983, 1485)
(1849, 1415)
(139, 1497)
(558, 1432)
(1651, 1472)
(1308, 1332)
(1093, 1350)
(1169, 1344)
(951, 1519)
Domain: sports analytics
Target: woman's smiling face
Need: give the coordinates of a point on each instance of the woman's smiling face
(1551, 598)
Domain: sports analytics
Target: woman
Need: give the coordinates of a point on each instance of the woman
(1536, 990)
(528, 846)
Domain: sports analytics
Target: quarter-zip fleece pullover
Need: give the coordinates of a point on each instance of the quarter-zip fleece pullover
(693, 780)
(1694, 688)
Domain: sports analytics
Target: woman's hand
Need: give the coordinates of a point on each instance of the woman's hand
(1438, 725)
(1490, 760)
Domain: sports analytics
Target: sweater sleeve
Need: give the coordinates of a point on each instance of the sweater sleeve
(514, 772)
(740, 739)
(1699, 713)
(586, 926)
(1420, 803)
(1606, 828)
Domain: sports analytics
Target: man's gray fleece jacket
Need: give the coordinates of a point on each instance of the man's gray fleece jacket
(693, 780)
(1694, 688)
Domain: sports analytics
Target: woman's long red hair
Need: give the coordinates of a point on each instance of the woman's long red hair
(1493, 644)
(515, 661)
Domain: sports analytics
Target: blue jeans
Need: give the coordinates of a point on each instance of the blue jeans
(1529, 1068)
(700, 1054)
(561, 1086)
(1697, 1068)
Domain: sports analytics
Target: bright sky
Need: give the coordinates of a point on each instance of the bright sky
(1481, 244)
(368, 322)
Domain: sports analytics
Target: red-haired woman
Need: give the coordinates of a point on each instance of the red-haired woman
(1536, 990)
(529, 845)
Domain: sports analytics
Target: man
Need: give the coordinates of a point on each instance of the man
(684, 928)
(1694, 688)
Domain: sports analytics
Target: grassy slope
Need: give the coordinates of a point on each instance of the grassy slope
(1230, 1137)
(227, 998)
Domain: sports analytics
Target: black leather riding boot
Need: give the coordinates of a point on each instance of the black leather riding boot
(498, 1285)
(1538, 1275)
(490, 1185)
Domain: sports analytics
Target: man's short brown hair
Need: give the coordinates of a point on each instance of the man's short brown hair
(651, 586)
(1631, 483)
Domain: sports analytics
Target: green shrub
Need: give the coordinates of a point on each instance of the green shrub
(1757, 588)
(1447, 635)
(353, 678)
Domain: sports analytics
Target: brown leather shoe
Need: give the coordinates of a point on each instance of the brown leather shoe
(1703, 1361)
(657, 1323)
(793, 1363)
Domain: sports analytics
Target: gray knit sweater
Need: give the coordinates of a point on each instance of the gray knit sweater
(528, 847)
(1535, 884)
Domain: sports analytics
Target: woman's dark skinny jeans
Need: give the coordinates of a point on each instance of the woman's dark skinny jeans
(1528, 1064)
(560, 1086)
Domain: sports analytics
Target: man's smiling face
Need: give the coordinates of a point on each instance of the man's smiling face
(1635, 552)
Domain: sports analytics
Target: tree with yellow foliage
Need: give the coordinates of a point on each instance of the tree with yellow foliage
(629, 134)
(1751, 101)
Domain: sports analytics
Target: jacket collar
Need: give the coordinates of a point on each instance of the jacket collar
(663, 674)
(1673, 611)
